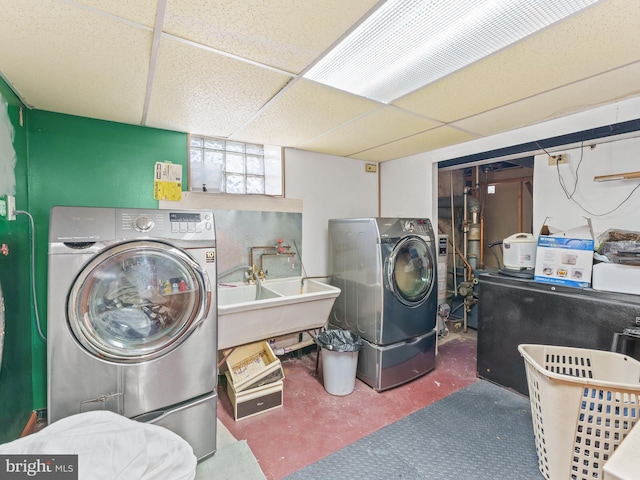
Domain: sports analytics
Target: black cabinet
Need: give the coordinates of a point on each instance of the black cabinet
(512, 311)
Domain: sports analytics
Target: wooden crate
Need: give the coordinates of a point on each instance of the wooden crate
(249, 403)
(253, 365)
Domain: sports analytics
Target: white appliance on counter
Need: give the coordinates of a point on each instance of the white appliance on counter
(519, 251)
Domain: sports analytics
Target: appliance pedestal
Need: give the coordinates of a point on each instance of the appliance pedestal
(195, 421)
(383, 367)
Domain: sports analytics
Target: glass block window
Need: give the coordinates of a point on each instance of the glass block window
(224, 166)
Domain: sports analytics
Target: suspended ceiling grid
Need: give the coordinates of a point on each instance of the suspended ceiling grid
(232, 69)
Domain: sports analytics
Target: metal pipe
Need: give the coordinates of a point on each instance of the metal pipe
(468, 276)
(464, 319)
(465, 222)
(453, 236)
(286, 254)
(265, 247)
(481, 265)
(465, 240)
(295, 346)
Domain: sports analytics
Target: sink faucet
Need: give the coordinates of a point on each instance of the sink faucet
(250, 272)
(258, 274)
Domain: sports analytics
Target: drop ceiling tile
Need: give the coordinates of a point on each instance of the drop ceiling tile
(590, 93)
(66, 59)
(279, 33)
(371, 130)
(423, 142)
(579, 47)
(303, 111)
(198, 91)
(139, 11)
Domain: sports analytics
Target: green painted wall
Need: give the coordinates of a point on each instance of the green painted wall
(16, 393)
(86, 162)
(63, 160)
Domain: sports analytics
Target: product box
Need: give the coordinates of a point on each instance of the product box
(253, 365)
(564, 261)
(255, 400)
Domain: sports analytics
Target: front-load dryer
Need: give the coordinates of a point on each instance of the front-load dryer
(386, 270)
(132, 318)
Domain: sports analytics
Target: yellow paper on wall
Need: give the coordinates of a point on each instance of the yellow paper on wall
(167, 183)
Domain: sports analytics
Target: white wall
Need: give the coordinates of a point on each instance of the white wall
(588, 198)
(329, 187)
(406, 187)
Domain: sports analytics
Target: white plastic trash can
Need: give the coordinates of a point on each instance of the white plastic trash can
(339, 371)
(340, 350)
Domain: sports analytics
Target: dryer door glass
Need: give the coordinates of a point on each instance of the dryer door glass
(137, 301)
(411, 271)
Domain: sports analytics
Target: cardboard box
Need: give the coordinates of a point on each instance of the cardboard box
(564, 261)
(253, 365)
(249, 403)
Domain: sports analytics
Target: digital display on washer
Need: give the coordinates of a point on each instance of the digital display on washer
(184, 217)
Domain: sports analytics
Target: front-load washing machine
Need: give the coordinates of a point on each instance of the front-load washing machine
(387, 274)
(132, 318)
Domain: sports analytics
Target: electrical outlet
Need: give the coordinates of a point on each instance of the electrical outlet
(11, 207)
(558, 160)
(8, 207)
(371, 167)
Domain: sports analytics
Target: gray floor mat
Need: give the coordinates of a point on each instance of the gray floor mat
(482, 431)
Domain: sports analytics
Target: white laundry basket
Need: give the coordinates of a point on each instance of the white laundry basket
(583, 404)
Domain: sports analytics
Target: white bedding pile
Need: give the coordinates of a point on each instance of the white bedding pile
(112, 447)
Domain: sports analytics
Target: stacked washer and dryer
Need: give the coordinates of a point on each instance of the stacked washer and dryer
(386, 269)
(132, 318)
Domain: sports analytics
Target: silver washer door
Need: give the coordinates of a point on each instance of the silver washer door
(411, 270)
(137, 301)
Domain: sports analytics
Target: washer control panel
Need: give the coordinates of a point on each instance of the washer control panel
(419, 226)
(143, 223)
(190, 222)
(135, 223)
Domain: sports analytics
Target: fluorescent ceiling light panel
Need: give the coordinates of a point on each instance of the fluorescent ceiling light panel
(407, 44)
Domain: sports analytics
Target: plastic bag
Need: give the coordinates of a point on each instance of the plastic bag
(620, 246)
(339, 341)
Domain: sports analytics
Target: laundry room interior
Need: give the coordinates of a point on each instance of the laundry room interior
(207, 242)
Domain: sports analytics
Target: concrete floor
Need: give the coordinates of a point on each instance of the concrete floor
(313, 424)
